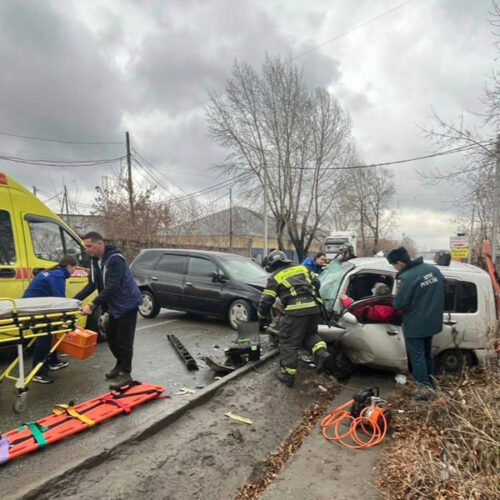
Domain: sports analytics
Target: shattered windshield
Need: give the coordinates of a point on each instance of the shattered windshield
(331, 280)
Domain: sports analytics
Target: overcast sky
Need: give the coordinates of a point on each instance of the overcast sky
(87, 71)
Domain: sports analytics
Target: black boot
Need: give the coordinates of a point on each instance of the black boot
(286, 378)
(123, 379)
(113, 373)
(321, 358)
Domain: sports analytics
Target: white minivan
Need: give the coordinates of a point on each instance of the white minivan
(469, 322)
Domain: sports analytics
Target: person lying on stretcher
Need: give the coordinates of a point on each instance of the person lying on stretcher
(375, 313)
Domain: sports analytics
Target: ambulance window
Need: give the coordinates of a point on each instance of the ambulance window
(74, 248)
(7, 248)
(47, 239)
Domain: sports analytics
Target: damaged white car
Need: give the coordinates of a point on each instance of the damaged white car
(356, 338)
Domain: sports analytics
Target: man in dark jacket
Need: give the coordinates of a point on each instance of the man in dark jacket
(420, 297)
(119, 296)
(297, 287)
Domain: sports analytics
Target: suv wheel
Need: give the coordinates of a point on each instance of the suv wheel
(240, 310)
(149, 307)
(453, 360)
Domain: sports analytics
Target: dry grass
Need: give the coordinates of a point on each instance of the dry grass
(448, 448)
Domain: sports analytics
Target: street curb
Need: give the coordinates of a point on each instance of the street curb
(147, 429)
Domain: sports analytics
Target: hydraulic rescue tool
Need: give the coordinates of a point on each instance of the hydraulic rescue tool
(360, 422)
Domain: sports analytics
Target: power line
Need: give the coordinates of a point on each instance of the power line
(351, 30)
(397, 162)
(293, 58)
(151, 175)
(60, 163)
(157, 170)
(59, 140)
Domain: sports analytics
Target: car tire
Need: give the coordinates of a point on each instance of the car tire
(340, 365)
(149, 307)
(453, 360)
(240, 310)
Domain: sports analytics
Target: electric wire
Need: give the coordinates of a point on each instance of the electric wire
(157, 170)
(59, 140)
(201, 103)
(60, 163)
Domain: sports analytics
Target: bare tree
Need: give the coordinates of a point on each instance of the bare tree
(475, 174)
(368, 201)
(281, 133)
(144, 227)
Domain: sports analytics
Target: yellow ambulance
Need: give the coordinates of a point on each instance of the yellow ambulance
(33, 238)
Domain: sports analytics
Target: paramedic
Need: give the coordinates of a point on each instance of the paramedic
(49, 283)
(315, 264)
(119, 296)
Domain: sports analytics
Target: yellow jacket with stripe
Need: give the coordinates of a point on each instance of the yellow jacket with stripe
(296, 286)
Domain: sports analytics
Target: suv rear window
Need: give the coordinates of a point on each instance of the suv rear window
(146, 260)
(460, 296)
(172, 263)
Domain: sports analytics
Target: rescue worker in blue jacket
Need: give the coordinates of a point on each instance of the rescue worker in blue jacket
(316, 263)
(49, 283)
(119, 296)
(420, 297)
(297, 288)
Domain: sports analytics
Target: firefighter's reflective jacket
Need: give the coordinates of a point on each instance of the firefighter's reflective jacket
(296, 286)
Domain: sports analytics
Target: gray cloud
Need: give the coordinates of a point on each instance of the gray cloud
(87, 71)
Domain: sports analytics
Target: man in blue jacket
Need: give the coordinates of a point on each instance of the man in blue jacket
(420, 297)
(119, 296)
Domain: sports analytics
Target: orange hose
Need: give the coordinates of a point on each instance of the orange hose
(367, 425)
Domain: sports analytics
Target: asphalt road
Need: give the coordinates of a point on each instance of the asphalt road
(155, 361)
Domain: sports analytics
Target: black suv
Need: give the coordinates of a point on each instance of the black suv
(209, 283)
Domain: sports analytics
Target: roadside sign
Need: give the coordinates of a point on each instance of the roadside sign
(459, 242)
(459, 253)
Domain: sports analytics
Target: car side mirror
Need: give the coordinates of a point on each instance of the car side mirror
(218, 276)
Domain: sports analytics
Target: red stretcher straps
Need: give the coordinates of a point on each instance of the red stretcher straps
(110, 399)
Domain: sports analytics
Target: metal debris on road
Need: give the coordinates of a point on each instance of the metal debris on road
(185, 390)
(238, 418)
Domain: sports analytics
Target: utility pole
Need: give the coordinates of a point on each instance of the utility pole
(471, 236)
(67, 204)
(231, 219)
(129, 179)
(265, 212)
(496, 211)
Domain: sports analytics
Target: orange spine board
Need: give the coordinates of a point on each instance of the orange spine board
(96, 410)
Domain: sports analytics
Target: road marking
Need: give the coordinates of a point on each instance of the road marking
(155, 324)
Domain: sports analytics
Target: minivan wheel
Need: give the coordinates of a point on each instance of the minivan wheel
(240, 310)
(453, 360)
(149, 307)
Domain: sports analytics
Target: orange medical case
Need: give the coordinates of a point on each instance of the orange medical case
(79, 343)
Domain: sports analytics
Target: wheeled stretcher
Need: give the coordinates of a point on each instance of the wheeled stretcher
(22, 321)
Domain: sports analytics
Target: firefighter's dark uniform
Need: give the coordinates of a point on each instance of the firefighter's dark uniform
(297, 287)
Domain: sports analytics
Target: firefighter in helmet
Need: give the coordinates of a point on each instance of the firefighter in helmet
(346, 253)
(297, 288)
